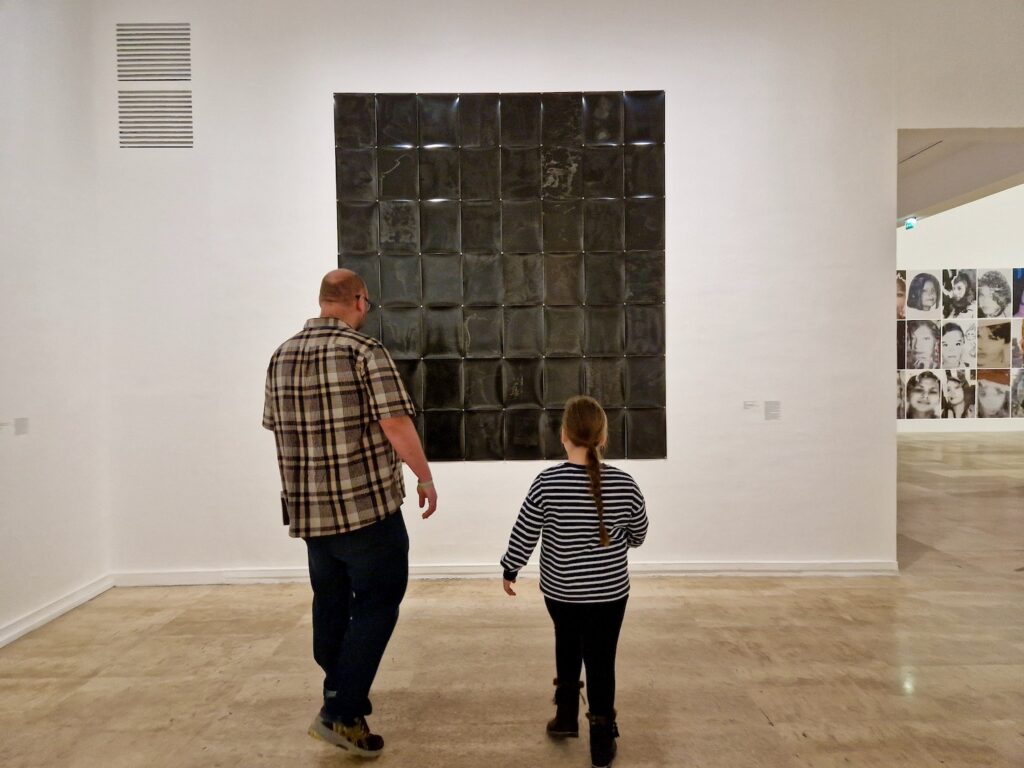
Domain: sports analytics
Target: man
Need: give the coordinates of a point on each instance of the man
(342, 423)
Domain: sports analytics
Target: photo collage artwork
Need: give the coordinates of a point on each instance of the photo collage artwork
(960, 343)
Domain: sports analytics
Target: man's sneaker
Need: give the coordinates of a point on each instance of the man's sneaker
(355, 738)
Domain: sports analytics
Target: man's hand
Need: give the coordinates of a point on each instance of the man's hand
(508, 587)
(427, 495)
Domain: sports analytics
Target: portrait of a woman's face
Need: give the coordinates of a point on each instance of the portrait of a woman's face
(994, 345)
(994, 293)
(901, 295)
(924, 395)
(923, 296)
(958, 299)
(959, 344)
(994, 395)
(1017, 394)
(922, 344)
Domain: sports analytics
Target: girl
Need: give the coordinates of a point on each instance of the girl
(589, 514)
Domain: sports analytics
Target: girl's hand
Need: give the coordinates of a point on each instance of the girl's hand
(508, 587)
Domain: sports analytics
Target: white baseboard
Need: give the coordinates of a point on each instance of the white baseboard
(491, 570)
(37, 618)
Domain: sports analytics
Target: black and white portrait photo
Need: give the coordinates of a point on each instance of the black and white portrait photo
(958, 393)
(994, 344)
(959, 344)
(924, 296)
(1017, 394)
(923, 394)
(901, 407)
(993, 394)
(958, 295)
(922, 344)
(901, 294)
(994, 294)
(901, 344)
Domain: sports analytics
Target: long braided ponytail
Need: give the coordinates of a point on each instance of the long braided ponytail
(586, 425)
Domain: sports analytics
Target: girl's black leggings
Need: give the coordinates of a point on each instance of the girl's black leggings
(588, 633)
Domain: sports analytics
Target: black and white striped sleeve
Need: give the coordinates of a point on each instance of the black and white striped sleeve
(525, 532)
(637, 519)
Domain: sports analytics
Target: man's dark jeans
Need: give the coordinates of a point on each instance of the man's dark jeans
(359, 580)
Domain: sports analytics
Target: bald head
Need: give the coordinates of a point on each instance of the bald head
(341, 287)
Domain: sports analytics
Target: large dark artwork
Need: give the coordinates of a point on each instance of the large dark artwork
(515, 245)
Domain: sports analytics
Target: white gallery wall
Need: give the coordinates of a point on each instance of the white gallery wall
(986, 233)
(54, 509)
(781, 129)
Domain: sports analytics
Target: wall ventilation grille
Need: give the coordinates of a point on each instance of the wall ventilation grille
(155, 118)
(154, 52)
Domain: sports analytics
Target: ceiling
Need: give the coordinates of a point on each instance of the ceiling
(939, 169)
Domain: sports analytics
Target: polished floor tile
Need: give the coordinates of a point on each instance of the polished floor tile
(921, 670)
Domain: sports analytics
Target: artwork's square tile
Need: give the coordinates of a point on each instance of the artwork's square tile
(400, 283)
(645, 277)
(645, 329)
(563, 225)
(645, 434)
(483, 384)
(562, 172)
(644, 170)
(523, 383)
(439, 173)
(551, 434)
(563, 378)
(356, 172)
(520, 173)
(411, 372)
(603, 172)
(481, 176)
(402, 332)
(399, 226)
(439, 226)
(563, 279)
(606, 332)
(478, 119)
(562, 119)
(367, 266)
(481, 227)
(354, 120)
(485, 436)
(645, 382)
(644, 116)
(438, 119)
(522, 434)
(521, 226)
(523, 333)
(357, 228)
(603, 225)
(398, 172)
(605, 380)
(442, 384)
(616, 448)
(602, 118)
(605, 278)
(396, 120)
(563, 331)
(645, 224)
(443, 337)
(442, 280)
(520, 119)
(442, 433)
(524, 279)
(483, 275)
(483, 331)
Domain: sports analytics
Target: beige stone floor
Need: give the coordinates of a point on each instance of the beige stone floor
(922, 670)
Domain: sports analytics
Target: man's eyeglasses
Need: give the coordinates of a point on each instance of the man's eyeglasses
(369, 304)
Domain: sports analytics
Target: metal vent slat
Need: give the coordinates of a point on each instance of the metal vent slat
(154, 51)
(155, 118)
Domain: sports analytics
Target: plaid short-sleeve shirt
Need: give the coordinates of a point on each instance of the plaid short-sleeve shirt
(327, 388)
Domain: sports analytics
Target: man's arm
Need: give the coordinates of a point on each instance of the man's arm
(401, 433)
